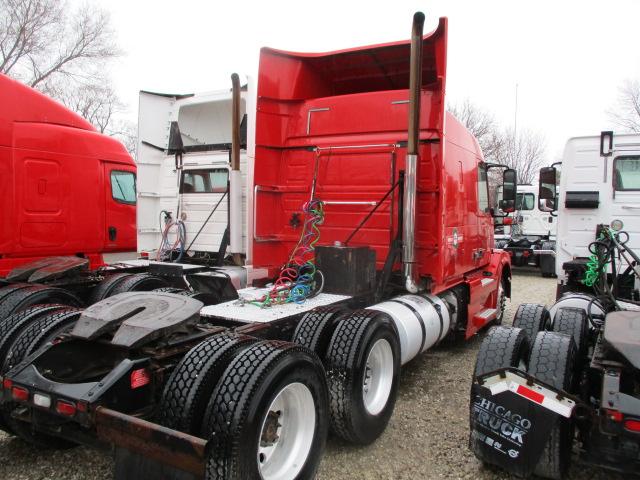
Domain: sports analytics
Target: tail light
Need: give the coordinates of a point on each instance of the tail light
(632, 425)
(20, 394)
(614, 415)
(139, 378)
(7, 383)
(65, 408)
(507, 221)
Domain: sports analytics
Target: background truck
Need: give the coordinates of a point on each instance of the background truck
(570, 375)
(370, 244)
(65, 188)
(529, 235)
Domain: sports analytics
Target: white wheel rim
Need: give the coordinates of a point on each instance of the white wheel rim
(286, 435)
(378, 377)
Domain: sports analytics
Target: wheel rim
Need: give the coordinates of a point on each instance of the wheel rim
(378, 377)
(287, 433)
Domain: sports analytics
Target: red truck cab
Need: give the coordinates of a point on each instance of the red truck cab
(65, 188)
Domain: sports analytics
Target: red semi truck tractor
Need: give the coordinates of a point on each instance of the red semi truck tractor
(65, 189)
(371, 242)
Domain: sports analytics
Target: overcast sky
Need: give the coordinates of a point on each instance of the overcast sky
(567, 57)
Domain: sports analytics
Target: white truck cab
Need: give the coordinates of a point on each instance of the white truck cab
(599, 185)
(529, 234)
(185, 171)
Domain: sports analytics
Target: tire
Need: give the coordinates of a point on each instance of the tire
(315, 328)
(573, 322)
(501, 303)
(33, 336)
(11, 326)
(271, 381)
(502, 347)
(360, 413)
(139, 282)
(105, 288)
(9, 289)
(168, 290)
(552, 361)
(35, 294)
(532, 318)
(189, 388)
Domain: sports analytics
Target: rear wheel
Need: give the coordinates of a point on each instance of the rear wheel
(363, 368)
(532, 318)
(140, 282)
(22, 298)
(573, 322)
(268, 415)
(502, 347)
(106, 287)
(191, 383)
(315, 328)
(552, 361)
(501, 302)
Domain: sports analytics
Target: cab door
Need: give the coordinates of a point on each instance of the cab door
(120, 207)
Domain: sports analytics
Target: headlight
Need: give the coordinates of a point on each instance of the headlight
(617, 225)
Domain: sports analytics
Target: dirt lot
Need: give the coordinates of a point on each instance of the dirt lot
(426, 438)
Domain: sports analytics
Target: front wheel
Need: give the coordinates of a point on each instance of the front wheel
(268, 416)
(363, 368)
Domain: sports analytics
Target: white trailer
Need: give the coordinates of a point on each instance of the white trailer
(599, 185)
(185, 170)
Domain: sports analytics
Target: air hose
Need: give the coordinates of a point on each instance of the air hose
(297, 279)
(167, 248)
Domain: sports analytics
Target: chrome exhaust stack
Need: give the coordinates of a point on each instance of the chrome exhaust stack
(235, 176)
(412, 279)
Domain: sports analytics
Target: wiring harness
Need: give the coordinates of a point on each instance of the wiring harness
(297, 280)
(167, 248)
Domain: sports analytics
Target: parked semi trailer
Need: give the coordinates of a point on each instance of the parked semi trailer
(370, 243)
(529, 235)
(569, 376)
(65, 188)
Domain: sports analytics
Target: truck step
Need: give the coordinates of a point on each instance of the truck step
(484, 316)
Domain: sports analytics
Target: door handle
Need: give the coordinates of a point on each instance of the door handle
(113, 233)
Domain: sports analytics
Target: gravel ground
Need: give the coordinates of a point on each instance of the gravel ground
(426, 437)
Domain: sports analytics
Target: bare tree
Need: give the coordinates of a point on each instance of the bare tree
(482, 124)
(43, 39)
(626, 113)
(524, 152)
(64, 53)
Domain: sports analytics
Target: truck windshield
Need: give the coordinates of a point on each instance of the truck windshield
(627, 173)
(525, 201)
(209, 180)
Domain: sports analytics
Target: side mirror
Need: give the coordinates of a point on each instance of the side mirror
(547, 187)
(509, 190)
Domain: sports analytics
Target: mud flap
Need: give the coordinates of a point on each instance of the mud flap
(508, 430)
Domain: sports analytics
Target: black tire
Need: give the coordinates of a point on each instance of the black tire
(33, 295)
(9, 289)
(36, 333)
(139, 282)
(191, 383)
(204, 297)
(9, 329)
(105, 288)
(346, 363)
(532, 318)
(240, 403)
(169, 290)
(502, 347)
(552, 361)
(33, 336)
(573, 322)
(315, 328)
(502, 302)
